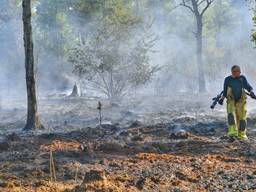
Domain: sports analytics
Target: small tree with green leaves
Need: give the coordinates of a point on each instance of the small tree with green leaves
(117, 57)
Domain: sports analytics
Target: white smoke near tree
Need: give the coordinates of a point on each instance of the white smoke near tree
(60, 27)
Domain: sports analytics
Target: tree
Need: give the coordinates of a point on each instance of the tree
(33, 121)
(116, 57)
(198, 8)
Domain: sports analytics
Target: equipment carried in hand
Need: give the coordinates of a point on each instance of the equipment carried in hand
(216, 100)
(252, 95)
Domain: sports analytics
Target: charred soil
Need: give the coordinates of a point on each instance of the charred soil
(180, 155)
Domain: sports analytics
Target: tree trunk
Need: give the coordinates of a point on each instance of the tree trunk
(33, 121)
(199, 38)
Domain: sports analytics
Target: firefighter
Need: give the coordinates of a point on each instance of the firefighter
(234, 91)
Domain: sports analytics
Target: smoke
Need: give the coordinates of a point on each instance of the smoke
(177, 48)
(12, 71)
(174, 49)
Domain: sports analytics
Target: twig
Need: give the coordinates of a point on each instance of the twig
(52, 167)
(99, 108)
(76, 173)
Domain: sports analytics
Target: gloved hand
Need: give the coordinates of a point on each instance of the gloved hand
(252, 95)
(221, 100)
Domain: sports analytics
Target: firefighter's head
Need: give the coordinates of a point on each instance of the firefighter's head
(236, 71)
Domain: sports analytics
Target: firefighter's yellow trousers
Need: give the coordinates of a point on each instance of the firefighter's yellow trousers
(237, 116)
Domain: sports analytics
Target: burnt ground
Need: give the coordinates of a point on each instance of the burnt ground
(146, 145)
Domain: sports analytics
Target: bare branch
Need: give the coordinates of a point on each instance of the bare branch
(200, 2)
(172, 9)
(194, 32)
(208, 3)
(184, 4)
(101, 76)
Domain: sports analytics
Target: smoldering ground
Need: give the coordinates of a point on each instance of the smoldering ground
(160, 136)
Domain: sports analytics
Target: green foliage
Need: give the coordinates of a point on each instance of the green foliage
(219, 18)
(116, 57)
(53, 30)
(113, 36)
(254, 31)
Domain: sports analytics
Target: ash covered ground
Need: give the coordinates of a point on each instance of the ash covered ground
(146, 144)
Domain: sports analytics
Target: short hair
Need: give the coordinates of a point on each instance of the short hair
(235, 67)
